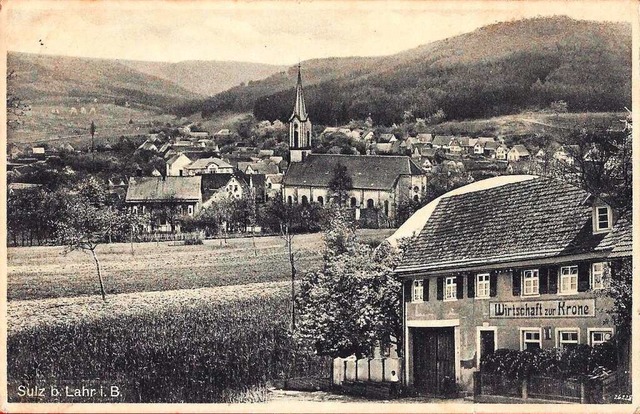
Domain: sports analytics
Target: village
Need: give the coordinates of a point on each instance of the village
(448, 221)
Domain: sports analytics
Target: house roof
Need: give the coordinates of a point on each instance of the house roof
(205, 162)
(427, 138)
(259, 167)
(386, 137)
(483, 140)
(532, 218)
(163, 189)
(175, 158)
(367, 171)
(619, 239)
(490, 145)
(442, 140)
(274, 178)
(520, 149)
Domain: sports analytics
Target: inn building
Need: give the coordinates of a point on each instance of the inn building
(513, 262)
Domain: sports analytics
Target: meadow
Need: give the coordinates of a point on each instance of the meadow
(206, 323)
(44, 272)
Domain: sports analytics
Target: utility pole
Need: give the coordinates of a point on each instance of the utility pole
(93, 132)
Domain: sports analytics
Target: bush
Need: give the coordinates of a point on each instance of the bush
(575, 362)
(193, 241)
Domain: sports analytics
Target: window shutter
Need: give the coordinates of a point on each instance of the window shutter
(583, 277)
(553, 280)
(460, 287)
(425, 290)
(471, 285)
(493, 283)
(440, 288)
(544, 280)
(515, 282)
(408, 290)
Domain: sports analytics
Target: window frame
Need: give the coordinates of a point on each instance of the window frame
(596, 219)
(591, 331)
(488, 285)
(417, 286)
(523, 341)
(536, 279)
(561, 277)
(593, 275)
(450, 287)
(560, 331)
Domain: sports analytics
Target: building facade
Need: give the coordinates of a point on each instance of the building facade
(512, 262)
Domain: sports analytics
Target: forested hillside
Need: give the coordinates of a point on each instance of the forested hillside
(499, 69)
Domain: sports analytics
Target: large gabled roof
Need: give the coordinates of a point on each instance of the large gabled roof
(160, 189)
(530, 218)
(367, 171)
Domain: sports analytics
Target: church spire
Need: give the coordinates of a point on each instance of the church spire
(299, 126)
(299, 110)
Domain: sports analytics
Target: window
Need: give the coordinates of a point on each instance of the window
(289, 200)
(353, 202)
(305, 200)
(567, 337)
(530, 338)
(602, 219)
(418, 291)
(531, 282)
(135, 209)
(370, 203)
(482, 285)
(569, 279)
(450, 288)
(190, 209)
(597, 275)
(599, 336)
(416, 198)
(321, 200)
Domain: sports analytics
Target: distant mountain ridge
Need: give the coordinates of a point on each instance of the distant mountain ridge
(155, 84)
(498, 69)
(205, 77)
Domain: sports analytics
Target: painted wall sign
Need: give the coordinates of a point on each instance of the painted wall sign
(556, 308)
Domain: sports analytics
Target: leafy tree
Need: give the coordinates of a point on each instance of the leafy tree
(352, 305)
(340, 184)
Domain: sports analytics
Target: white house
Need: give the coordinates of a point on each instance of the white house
(518, 153)
(176, 165)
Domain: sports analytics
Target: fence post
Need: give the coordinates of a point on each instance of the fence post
(583, 394)
(525, 391)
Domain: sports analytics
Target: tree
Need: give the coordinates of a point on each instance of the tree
(340, 184)
(352, 305)
(84, 227)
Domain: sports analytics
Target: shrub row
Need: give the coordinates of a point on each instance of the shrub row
(580, 361)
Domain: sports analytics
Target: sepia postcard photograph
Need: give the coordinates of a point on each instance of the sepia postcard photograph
(318, 206)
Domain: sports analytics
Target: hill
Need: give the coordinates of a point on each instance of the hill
(498, 69)
(46, 78)
(205, 77)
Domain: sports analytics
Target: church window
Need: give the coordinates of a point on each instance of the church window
(305, 201)
(370, 203)
(353, 201)
(321, 200)
(386, 207)
(295, 139)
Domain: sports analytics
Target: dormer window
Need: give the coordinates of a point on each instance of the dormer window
(602, 219)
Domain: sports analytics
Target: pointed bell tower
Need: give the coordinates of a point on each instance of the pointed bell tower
(299, 127)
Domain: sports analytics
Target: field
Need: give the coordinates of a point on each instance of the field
(44, 272)
(39, 125)
(202, 323)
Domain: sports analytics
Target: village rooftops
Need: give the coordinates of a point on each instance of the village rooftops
(162, 189)
(366, 171)
(205, 162)
(529, 218)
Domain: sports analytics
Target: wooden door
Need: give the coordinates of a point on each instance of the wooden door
(433, 358)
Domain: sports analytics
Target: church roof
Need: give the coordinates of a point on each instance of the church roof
(299, 110)
(367, 171)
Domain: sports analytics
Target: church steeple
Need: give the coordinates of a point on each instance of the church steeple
(299, 126)
(299, 110)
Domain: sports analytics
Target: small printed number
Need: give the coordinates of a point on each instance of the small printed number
(625, 397)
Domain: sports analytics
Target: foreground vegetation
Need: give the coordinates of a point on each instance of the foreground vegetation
(209, 351)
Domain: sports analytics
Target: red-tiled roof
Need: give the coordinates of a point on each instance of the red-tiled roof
(367, 171)
(532, 219)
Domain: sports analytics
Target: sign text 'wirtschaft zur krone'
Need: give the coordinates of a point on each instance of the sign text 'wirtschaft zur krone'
(557, 308)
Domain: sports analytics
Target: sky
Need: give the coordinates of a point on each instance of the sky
(282, 32)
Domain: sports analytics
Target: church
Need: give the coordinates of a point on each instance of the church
(380, 184)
